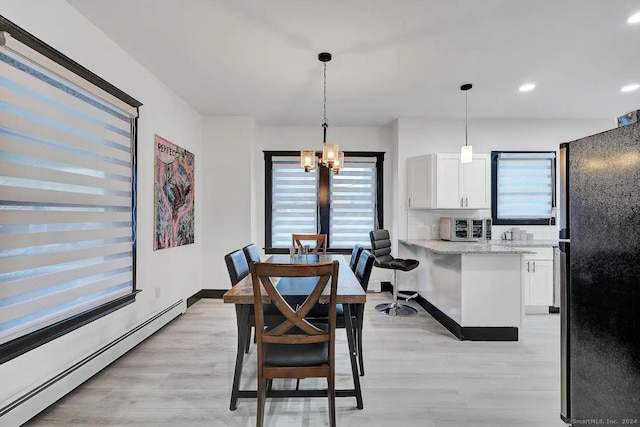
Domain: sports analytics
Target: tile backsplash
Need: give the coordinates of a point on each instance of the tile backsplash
(425, 224)
(540, 232)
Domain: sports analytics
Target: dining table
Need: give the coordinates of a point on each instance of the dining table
(349, 292)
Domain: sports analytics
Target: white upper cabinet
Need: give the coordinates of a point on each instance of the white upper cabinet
(476, 182)
(418, 179)
(440, 181)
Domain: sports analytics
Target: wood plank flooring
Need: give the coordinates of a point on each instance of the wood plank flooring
(417, 374)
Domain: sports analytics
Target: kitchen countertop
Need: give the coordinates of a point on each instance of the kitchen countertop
(445, 247)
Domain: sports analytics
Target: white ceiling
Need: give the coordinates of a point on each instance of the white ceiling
(391, 58)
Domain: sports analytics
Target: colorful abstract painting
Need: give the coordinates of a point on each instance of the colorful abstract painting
(174, 193)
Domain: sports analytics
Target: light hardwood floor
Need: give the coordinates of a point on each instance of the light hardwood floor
(417, 374)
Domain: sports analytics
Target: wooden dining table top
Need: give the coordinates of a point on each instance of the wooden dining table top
(349, 289)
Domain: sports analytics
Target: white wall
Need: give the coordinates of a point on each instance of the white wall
(164, 276)
(234, 180)
(424, 136)
(228, 182)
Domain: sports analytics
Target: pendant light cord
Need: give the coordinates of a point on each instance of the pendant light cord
(325, 124)
(466, 116)
(466, 87)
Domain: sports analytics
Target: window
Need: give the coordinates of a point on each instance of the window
(67, 197)
(345, 206)
(523, 187)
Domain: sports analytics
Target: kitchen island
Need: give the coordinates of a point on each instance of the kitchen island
(474, 289)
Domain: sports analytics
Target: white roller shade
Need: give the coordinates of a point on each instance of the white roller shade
(294, 203)
(525, 186)
(66, 193)
(353, 203)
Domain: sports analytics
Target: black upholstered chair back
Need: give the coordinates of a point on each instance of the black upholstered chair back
(237, 266)
(364, 267)
(381, 245)
(251, 253)
(355, 254)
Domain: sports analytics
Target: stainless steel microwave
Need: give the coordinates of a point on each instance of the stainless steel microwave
(465, 229)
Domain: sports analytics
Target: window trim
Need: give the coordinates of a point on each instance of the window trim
(494, 192)
(41, 47)
(323, 196)
(25, 343)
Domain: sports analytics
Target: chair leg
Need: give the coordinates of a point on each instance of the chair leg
(247, 342)
(261, 395)
(331, 392)
(395, 309)
(359, 345)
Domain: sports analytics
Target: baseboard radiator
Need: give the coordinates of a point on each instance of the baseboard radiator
(41, 396)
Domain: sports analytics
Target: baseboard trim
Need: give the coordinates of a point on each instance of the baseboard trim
(21, 409)
(193, 299)
(469, 333)
(206, 293)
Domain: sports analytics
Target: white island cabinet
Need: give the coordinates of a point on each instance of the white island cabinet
(474, 289)
(538, 284)
(440, 181)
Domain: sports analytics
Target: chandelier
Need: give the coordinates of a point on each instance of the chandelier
(332, 157)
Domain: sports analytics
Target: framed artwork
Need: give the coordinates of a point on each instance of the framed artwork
(174, 195)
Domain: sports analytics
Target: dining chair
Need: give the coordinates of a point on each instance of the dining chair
(320, 312)
(355, 254)
(296, 347)
(381, 249)
(363, 273)
(238, 269)
(320, 241)
(251, 253)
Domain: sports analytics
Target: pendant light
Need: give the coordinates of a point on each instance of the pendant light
(466, 151)
(332, 157)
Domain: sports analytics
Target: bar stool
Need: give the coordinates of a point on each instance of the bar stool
(381, 248)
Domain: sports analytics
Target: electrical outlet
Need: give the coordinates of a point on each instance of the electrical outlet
(157, 293)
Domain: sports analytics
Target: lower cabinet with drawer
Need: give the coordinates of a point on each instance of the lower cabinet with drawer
(538, 282)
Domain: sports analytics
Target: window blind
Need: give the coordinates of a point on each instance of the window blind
(353, 203)
(525, 185)
(67, 201)
(294, 206)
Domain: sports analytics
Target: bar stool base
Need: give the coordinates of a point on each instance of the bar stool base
(394, 309)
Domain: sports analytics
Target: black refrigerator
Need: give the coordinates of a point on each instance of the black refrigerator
(600, 278)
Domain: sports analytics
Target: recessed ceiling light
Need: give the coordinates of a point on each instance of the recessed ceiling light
(630, 88)
(634, 19)
(527, 87)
